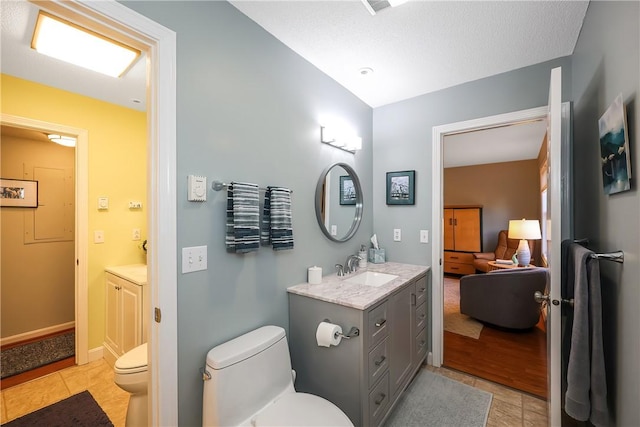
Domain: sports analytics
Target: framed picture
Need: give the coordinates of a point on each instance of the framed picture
(347, 191)
(401, 188)
(614, 148)
(18, 193)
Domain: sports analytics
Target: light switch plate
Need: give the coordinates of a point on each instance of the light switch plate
(334, 230)
(194, 259)
(397, 235)
(424, 236)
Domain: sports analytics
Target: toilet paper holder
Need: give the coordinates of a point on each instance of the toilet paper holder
(353, 332)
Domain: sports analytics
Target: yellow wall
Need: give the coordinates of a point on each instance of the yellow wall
(117, 169)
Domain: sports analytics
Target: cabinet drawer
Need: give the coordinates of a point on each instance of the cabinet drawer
(456, 268)
(421, 344)
(377, 324)
(421, 316)
(458, 257)
(378, 401)
(421, 290)
(378, 361)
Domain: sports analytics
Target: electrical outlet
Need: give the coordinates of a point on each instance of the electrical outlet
(397, 234)
(424, 236)
(135, 234)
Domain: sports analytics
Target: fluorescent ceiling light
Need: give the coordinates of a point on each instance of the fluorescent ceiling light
(67, 141)
(68, 42)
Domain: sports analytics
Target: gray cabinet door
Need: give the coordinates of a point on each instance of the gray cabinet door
(401, 312)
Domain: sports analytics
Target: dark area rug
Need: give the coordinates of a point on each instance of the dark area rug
(32, 355)
(79, 410)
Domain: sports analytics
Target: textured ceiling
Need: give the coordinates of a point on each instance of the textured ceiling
(420, 46)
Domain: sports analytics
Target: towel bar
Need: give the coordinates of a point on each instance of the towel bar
(616, 256)
(219, 186)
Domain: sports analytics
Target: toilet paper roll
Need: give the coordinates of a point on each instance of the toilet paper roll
(328, 334)
(314, 275)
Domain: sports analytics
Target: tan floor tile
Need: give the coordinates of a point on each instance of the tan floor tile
(116, 408)
(79, 378)
(500, 393)
(33, 395)
(503, 414)
(533, 404)
(457, 376)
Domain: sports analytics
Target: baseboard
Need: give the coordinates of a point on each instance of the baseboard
(37, 333)
(95, 354)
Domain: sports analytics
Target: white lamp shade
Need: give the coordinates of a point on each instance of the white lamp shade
(528, 229)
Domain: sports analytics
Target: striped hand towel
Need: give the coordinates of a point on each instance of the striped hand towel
(277, 229)
(243, 218)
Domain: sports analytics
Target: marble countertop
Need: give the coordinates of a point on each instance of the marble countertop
(336, 289)
(135, 273)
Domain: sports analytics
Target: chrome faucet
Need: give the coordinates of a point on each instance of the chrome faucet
(351, 264)
(340, 269)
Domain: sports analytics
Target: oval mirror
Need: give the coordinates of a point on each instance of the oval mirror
(339, 202)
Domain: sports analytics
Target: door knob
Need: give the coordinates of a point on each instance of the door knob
(540, 298)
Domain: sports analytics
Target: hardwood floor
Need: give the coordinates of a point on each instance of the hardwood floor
(514, 359)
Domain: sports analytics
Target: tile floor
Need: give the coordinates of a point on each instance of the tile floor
(509, 408)
(97, 377)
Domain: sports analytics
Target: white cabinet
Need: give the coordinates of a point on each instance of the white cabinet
(124, 324)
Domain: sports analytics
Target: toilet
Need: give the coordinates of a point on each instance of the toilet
(131, 375)
(248, 381)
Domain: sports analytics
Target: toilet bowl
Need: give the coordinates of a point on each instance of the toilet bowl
(249, 382)
(131, 375)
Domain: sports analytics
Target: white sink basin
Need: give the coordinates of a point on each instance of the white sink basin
(371, 278)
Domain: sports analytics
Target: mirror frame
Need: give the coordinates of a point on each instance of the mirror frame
(318, 199)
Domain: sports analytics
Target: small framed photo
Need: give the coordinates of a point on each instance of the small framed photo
(347, 191)
(18, 193)
(401, 188)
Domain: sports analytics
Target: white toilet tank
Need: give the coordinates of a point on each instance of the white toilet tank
(247, 374)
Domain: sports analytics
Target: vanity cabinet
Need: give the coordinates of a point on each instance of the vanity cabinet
(365, 375)
(124, 325)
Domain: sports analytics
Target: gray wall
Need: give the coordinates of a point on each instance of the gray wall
(605, 63)
(248, 109)
(402, 141)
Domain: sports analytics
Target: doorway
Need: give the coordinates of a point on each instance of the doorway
(159, 43)
(490, 176)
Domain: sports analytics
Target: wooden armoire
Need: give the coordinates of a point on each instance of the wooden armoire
(462, 237)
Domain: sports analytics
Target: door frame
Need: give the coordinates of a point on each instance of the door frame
(438, 134)
(113, 19)
(81, 293)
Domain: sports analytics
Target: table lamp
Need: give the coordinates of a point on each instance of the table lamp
(524, 229)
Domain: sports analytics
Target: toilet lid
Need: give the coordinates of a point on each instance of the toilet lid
(135, 360)
(302, 409)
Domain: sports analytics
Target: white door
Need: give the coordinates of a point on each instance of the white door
(555, 183)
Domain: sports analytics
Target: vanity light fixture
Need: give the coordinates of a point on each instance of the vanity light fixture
(71, 43)
(340, 139)
(67, 141)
